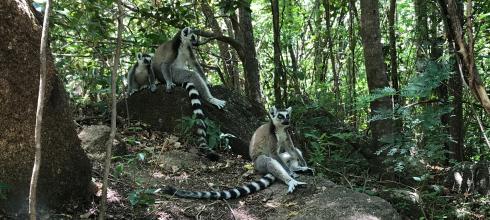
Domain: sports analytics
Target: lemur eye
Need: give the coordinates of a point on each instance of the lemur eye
(280, 117)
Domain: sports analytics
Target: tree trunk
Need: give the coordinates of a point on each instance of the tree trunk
(421, 32)
(294, 64)
(65, 173)
(278, 71)
(456, 123)
(250, 64)
(352, 64)
(393, 54)
(234, 57)
(375, 69)
(336, 83)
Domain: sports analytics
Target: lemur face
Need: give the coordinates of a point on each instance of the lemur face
(144, 59)
(187, 35)
(280, 118)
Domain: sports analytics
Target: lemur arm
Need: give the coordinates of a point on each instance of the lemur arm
(195, 65)
(151, 79)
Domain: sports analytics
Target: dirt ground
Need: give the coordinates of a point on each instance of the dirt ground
(168, 161)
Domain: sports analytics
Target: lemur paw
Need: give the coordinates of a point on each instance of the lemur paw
(169, 87)
(305, 170)
(217, 102)
(292, 185)
(153, 88)
(294, 175)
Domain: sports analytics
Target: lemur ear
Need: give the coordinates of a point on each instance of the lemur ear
(273, 112)
(289, 109)
(186, 31)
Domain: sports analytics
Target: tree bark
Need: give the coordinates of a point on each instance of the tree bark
(375, 68)
(250, 63)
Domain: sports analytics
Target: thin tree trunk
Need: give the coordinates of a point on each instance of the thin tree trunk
(421, 32)
(223, 47)
(352, 70)
(320, 67)
(278, 71)
(234, 57)
(107, 164)
(250, 64)
(39, 114)
(336, 84)
(294, 64)
(375, 68)
(393, 53)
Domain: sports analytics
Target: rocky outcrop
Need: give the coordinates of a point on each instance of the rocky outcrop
(164, 110)
(65, 171)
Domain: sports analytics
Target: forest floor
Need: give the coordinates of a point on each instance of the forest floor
(155, 160)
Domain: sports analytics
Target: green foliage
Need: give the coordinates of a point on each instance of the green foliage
(142, 197)
(423, 134)
(216, 138)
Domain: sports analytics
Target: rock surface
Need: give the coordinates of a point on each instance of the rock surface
(163, 111)
(65, 172)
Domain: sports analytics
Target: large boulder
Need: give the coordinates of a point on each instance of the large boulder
(163, 111)
(65, 171)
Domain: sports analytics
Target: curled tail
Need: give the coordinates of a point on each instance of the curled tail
(233, 193)
(201, 125)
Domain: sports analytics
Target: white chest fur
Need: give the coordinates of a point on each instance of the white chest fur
(183, 56)
(282, 136)
(141, 74)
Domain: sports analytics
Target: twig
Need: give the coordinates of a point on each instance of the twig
(229, 207)
(345, 178)
(39, 115)
(482, 130)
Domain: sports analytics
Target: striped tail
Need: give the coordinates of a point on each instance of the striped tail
(201, 125)
(233, 193)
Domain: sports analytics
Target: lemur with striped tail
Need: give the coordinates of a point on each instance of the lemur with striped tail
(170, 66)
(274, 155)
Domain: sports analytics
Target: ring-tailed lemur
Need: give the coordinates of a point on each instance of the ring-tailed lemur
(173, 56)
(170, 65)
(274, 155)
(141, 74)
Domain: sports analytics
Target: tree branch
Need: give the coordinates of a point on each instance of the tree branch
(232, 42)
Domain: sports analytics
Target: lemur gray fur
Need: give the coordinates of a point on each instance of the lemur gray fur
(170, 65)
(274, 155)
(141, 74)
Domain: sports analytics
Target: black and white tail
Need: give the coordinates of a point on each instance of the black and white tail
(233, 193)
(201, 125)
